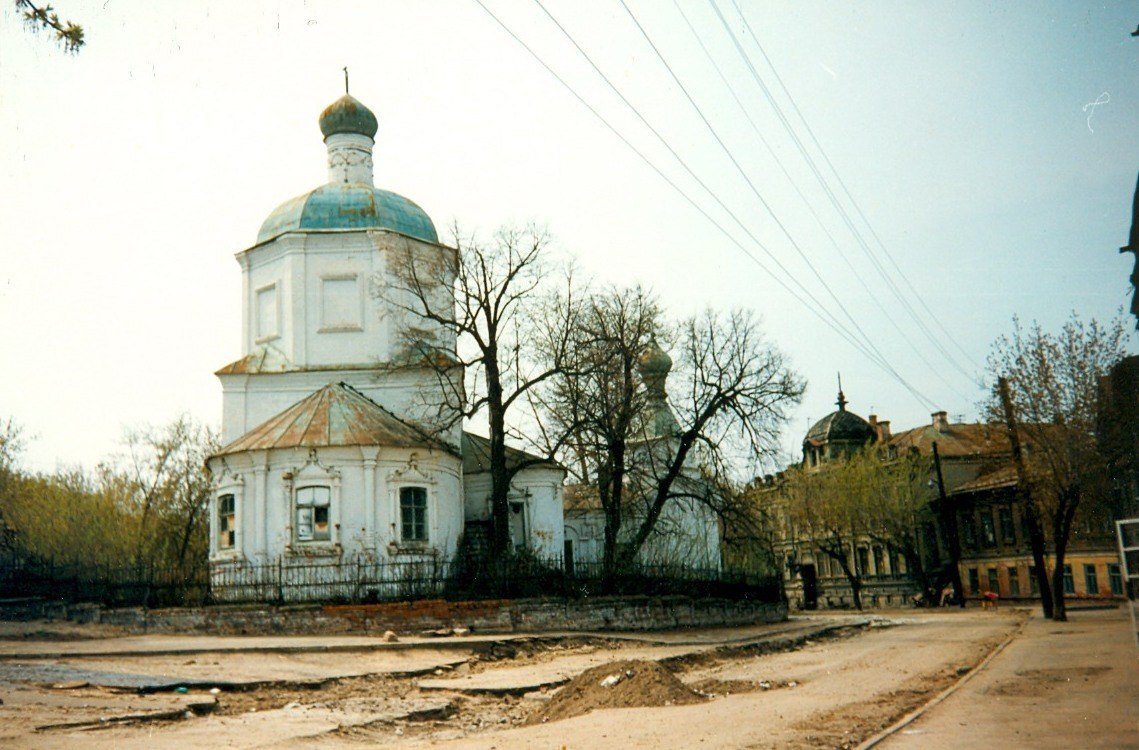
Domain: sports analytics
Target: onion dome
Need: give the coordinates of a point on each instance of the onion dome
(348, 115)
(349, 200)
(654, 364)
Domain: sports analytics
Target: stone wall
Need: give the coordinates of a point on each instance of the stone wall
(495, 616)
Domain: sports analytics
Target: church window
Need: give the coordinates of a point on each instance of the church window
(227, 514)
(413, 514)
(313, 523)
(267, 313)
(340, 304)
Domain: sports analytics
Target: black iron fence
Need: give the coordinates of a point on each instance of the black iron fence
(365, 580)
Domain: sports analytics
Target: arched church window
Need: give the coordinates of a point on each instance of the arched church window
(413, 514)
(313, 523)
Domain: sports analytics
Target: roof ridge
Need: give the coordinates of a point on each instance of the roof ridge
(410, 425)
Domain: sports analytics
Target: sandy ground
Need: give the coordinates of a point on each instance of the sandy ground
(812, 682)
(1064, 685)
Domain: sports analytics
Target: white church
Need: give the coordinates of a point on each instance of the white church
(332, 457)
(329, 452)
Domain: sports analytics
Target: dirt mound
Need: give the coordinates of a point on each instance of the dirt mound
(619, 684)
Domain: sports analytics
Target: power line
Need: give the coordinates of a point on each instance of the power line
(806, 202)
(691, 172)
(838, 329)
(870, 343)
(902, 299)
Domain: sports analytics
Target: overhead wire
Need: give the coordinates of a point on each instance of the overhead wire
(902, 299)
(680, 159)
(728, 235)
(806, 202)
(882, 361)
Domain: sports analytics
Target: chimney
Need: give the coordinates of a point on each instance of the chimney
(884, 430)
(941, 421)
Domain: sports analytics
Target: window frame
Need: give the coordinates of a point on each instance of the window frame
(316, 506)
(1008, 527)
(1115, 578)
(1091, 580)
(418, 495)
(226, 519)
(1013, 581)
(988, 528)
(1069, 580)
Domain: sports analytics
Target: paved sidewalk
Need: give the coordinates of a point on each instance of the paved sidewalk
(1068, 684)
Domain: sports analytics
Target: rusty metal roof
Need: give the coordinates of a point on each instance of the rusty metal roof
(336, 415)
(955, 439)
(998, 478)
(476, 456)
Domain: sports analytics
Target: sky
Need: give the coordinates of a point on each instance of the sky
(984, 154)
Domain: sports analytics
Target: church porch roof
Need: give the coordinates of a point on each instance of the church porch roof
(336, 415)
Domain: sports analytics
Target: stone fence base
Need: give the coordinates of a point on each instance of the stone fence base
(494, 616)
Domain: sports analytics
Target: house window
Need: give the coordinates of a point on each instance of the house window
(863, 561)
(987, 530)
(313, 523)
(969, 530)
(1008, 529)
(994, 581)
(879, 562)
(413, 514)
(1091, 582)
(227, 514)
(974, 581)
(1013, 581)
(1033, 583)
(1069, 582)
(1115, 578)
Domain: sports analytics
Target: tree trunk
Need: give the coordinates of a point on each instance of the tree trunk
(499, 475)
(1061, 528)
(948, 517)
(1035, 532)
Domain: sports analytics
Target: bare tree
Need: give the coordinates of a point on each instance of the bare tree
(731, 403)
(475, 310)
(1053, 381)
(595, 404)
(644, 444)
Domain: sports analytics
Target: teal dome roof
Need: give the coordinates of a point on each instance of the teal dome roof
(348, 206)
(348, 115)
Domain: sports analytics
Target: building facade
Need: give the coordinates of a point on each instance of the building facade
(338, 442)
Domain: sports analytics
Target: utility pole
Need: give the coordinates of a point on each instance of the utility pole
(948, 517)
(1035, 533)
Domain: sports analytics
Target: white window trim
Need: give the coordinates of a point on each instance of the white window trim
(229, 484)
(411, 476)
(313, 474)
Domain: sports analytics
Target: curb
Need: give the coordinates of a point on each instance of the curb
(917, 712)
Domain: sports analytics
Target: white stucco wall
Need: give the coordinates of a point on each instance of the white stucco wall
(539, 490)
(365, 507)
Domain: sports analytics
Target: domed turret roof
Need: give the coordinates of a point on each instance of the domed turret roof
(349, 206)
(840, 426)
(349, 200)
(348, 115)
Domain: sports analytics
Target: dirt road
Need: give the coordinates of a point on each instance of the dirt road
(812, 682)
